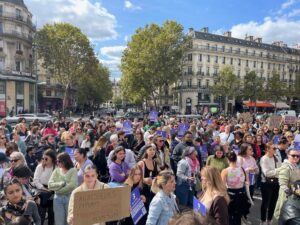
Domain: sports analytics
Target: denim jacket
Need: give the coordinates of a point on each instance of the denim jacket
(162, 208)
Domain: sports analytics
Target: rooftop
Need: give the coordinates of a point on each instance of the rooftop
(245, 43)
(16, 2)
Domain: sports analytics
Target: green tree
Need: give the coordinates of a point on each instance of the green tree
(66, 53)
(95, 87)
(253, 88)
(227, 85)
(152, 59)
(275, 89)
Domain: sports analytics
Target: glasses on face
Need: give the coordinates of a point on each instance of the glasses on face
(160, 141)
(14, 160)
(295, 156)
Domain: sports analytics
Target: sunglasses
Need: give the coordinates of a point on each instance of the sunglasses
(295, 156)
(14, 160)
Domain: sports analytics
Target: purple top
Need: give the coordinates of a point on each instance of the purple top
(118, 173)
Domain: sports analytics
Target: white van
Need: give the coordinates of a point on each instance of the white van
(286, 113)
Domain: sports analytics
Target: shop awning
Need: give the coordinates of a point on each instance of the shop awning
(281, 105)
(258, 104)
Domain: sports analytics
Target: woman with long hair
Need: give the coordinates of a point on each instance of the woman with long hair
(163, 206)
(41, 178)
(214, 196)
(235, 179)
(269, 183)
(99, 159)
(17, 205)
(3, 141)
(62, 181)
(138, 142)
(90, 182)
(135, 180)
(150, 171)
(218, 160)
(248, 162)
(118, 169)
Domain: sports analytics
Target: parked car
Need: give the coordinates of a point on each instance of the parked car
(29, 117)
(132, 115)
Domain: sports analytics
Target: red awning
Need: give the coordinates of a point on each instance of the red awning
(259, 104)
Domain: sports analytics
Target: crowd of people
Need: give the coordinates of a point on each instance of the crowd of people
(220, 162)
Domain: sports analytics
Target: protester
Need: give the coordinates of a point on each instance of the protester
(135, 180)
(235, 178)
(118, 169)
(99, 160)
(163, 206)
(214, 195)
(288, 174)
(41, 178)
(17, 205)
(62, 181)
(290, 211)
(82, 161)
(270, 167)
(187, 174)
(90, 182)
(218, 160)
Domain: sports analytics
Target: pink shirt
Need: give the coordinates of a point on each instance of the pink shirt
(49, 131)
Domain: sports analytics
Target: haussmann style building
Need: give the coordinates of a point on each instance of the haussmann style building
(209, 52)
(17, 74)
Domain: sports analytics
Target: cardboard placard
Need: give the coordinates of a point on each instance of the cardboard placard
(290, 119)
(274, 121)
(91, 207)
(247, 117)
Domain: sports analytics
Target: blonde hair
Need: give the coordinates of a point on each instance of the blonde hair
(214, 184)
(20, 156)
(161, 180)
(129, 181)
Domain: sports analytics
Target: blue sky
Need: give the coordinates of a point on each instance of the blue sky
(110, 23)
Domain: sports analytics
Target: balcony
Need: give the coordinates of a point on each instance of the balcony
(15, 33)
(200, 73)
(20, 18)
(192, 88)
(19, 52)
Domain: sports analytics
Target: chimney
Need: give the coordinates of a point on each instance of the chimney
(249, 38)
(258, 40)
(191, 30)
(227, 34)
(204, 30)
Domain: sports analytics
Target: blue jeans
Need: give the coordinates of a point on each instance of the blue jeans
(184, 194)
(60, 208)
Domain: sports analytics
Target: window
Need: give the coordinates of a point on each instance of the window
(2, 87)
(18, 14)
(48, 92)
(1, 45)
(253, 52)
(199, 82)
(231, 61)
(190, 57)
(216, 59)
(199, 70)
(206, 97)
(279, 67)
(269, 66)
(230, 50)
(19, 46)
(200, 57)
(190, 70)
(207, 46)
(199, 97)
(20, 88)
(246, 52)
(1, 9)
(224, 59)
(208, 58)
(215, 71)
(1, 64)
(283, 68)
(261, 65)
(18, 65)
(261, 54)
(207, 71)
(223, 48)
(254, 64)
(189, 83)
(238, 50)
(247, 62)
(207, 83)
(239, 74)
(239, 62)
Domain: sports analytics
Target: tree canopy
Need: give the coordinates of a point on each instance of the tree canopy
(151, 60)
(69, 57)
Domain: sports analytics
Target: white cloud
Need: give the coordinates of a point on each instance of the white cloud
(129, 5)
(111, 57)
(279, 29)
(92, 18)
(287, 4)
(294, 12)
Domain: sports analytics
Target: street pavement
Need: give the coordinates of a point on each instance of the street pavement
(254, 216)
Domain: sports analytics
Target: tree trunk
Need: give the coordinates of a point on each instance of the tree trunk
(66, 98)
(226, 105)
